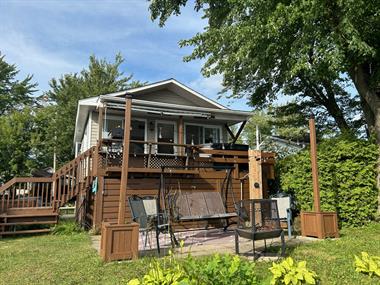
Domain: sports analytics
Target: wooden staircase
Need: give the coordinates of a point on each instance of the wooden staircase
(31, 204)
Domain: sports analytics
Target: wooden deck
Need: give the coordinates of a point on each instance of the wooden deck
(24, 201)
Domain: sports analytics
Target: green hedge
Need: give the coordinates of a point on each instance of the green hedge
(347, 179)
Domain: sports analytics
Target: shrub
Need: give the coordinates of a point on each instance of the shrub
(288, 272)
(66, 228)
(347, 178)
(221, 269)
(217, 270)
(368, 264)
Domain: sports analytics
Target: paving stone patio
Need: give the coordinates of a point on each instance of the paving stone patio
(206, 242)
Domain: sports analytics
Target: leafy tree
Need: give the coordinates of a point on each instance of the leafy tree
(275, 122)
(101, 77)
(15, 136)
(14, 93)
(303, 48)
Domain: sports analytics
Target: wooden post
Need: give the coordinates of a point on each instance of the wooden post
(255, 174)
(314, 164)
(124, 168)
(180, 135)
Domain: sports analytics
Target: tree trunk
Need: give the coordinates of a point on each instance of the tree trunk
(371, 100)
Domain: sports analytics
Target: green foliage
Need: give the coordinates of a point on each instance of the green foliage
(101, 77)
(14, 93)
(289, 125)
(289, 272)
(221, 269)
(66, 228)
(15, 135)
(216, 269)
(310, 50)
(347, 178)
(368, 264)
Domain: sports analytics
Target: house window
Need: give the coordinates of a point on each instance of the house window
(197, 134)
(112, 124)
(138, 132)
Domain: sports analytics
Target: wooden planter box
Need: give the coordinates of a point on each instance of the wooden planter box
(119, 242)
(319, 224)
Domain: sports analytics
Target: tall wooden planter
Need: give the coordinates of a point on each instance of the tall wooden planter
(319, 224)
(316, 223)
(119, 241)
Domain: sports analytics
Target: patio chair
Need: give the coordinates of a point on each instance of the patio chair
(258, 219)
(144, 213)
(285, 211)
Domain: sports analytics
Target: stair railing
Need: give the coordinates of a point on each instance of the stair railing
(73, 177)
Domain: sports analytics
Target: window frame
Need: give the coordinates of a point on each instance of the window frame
(203, 130)
(174, 123)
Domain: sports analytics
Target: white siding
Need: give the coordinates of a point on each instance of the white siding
(94, 129)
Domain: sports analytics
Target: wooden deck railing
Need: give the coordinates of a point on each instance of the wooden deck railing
(149, 155)
(26, 192)
(55, 191)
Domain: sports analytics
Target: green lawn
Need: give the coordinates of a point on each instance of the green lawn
(69, 259)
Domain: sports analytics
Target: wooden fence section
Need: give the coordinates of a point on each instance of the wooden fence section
(26, 192)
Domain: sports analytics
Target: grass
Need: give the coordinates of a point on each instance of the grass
(333, 260)
(70, 259)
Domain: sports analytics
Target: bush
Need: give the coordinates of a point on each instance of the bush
(368, 264)
(221, 269)
(66, 228)
(288, 272)
(217, 270)
(347, 178)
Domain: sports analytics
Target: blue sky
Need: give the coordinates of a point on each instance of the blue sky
(48, 38)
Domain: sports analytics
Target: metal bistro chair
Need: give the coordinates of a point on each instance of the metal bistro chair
(258, 219)
(144, 212)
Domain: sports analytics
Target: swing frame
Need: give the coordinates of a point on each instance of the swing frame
(168, 200)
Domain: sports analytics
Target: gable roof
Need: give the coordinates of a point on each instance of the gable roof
(143, 98)
(176, 87)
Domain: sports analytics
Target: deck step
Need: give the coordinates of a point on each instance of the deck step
(29, 215)
(25, 232)
(29, 223)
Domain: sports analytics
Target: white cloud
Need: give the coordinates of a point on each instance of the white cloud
(31, 58)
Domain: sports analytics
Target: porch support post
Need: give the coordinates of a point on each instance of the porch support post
(124, 168)
(314, 164)
(180, 134)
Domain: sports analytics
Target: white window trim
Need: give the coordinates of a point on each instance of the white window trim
(203, 132)
(175, 136)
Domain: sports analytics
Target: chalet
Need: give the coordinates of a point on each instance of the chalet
(176, 135)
